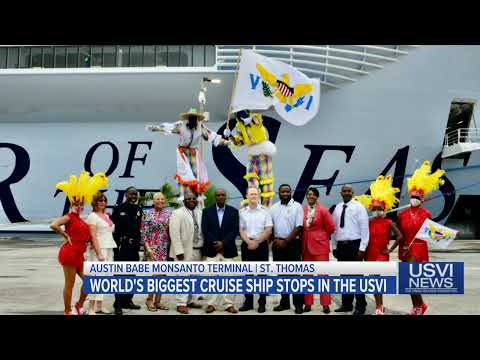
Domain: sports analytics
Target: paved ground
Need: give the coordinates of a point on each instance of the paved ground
(31, 282)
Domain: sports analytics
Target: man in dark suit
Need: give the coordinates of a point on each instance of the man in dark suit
(220, 227)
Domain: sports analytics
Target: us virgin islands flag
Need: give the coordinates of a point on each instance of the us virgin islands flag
(436, 234)
(263, 82)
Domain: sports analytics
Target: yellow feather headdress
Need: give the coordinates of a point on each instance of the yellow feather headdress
(382, 194)
(82, 189)
(422, 182)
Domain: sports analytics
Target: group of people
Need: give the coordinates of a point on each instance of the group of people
(293, 233)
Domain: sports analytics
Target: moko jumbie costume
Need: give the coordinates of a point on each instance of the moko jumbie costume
(191, 170)
(249, 131)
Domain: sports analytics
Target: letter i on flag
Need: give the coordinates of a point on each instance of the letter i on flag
(436, 234)
(263, 82)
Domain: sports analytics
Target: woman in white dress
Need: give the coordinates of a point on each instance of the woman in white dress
(101, 229)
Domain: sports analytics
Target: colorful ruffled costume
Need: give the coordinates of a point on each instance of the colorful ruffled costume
(410, 220)
(382, 194)
(191, 170)
(250, 131)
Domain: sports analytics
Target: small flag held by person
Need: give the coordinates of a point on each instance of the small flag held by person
(436, 234)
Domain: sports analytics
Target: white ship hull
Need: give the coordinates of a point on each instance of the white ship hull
(51, 120)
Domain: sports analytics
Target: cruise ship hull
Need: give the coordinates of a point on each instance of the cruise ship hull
(58, 122)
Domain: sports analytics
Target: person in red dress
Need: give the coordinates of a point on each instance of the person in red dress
(318, 225)
(76, 234)
(381, 200)
(411, 220)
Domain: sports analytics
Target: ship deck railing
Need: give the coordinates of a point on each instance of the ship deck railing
(460, 141)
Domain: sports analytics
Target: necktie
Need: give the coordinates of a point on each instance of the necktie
(195, 228)
(342, 217)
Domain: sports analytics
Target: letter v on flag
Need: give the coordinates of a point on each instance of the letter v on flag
(263, 82)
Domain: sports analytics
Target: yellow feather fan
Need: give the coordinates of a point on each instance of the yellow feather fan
(423, 182)
(382, 193)
(82, 189)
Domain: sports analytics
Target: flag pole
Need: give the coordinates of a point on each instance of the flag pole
(233, 89)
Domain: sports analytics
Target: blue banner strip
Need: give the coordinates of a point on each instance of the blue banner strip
(240, 284)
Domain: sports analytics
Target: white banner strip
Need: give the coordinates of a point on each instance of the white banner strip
(241, 268)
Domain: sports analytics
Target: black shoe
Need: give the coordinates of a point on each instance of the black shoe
(246, 307)
(261, 309)
(307, 308)
(194, 305)
(281, 307)
(298, 310)
(118, 311)
(343, 309)
(359, 312)
(132, 306)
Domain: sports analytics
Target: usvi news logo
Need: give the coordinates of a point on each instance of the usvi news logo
(431, 278)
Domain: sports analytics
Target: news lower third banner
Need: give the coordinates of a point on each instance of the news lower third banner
(274, 277)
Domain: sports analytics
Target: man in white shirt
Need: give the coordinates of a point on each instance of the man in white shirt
(350, 241)
(255, 230)
(287, 217)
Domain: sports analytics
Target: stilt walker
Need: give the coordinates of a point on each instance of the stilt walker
(250, 131)
(191, 170)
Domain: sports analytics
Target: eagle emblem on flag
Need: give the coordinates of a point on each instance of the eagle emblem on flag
(437, 234)
(281, 89)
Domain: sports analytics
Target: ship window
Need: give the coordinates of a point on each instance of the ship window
(48, 57)
(85, 57)
(12, 58)
(72, 57)
(148, 56)
(209, 55)
(460, 117)
(198, 55)
(173, 55)
(37, 56)
(60, 57)
(161, 55)
(123, 56)
(109, 56)
(136, 56)
(186, 55)
(3, 58)
(25, 61)
(97, 56)
(460, 120)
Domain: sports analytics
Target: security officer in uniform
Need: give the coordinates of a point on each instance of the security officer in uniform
(127, 218)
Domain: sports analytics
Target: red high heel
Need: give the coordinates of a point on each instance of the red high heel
(79, 309)
(424, 308)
